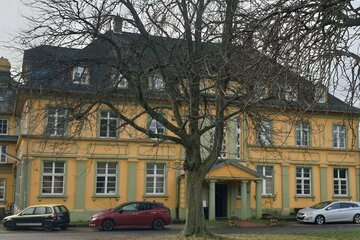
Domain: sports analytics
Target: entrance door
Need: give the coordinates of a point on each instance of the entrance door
(220, 200)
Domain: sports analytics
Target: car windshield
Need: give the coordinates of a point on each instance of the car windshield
(321, 205)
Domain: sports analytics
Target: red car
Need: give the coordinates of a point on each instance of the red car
(132, 214)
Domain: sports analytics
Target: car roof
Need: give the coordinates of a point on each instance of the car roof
(46, 205)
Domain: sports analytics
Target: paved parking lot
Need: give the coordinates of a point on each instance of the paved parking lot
(87, 233)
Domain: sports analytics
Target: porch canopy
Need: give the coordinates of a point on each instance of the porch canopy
(230, 170)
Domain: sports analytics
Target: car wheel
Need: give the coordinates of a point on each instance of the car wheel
(107, 225)
(10, 225)
(320, 220)
(48, 226)
(158, 224)
(357, 218)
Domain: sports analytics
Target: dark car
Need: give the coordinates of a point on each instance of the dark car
(132, 214)
(39, 216)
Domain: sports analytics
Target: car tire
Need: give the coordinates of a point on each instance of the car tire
(356, 218)
(158, 224)
(107, 225)
(48, 226)
(10, 225)
(320, 219)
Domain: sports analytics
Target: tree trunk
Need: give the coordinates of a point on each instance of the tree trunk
(195, 221)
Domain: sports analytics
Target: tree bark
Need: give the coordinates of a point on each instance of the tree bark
(195, 220)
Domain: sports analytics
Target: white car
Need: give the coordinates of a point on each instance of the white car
(330, 211)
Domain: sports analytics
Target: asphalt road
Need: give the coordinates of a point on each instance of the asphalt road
(90, 234)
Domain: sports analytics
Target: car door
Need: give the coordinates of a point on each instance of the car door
(40, 215)
(332, 212)
(147, 214)
(349, 211)
(25, 218)
(127, 215)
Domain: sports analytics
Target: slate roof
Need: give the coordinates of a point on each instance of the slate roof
(50, 68)
(8, 89)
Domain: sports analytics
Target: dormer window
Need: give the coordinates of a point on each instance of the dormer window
(290, 94)
(121, 82)
(321, 95)
(261, 91)
(156, 82)
(80, 75)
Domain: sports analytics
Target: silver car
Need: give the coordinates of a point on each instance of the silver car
(330, 211)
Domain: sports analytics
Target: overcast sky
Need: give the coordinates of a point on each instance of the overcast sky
(10, 23)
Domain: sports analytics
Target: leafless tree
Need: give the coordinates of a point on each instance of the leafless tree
(239, 46)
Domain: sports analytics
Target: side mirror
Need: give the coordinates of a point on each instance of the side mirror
(120, 211)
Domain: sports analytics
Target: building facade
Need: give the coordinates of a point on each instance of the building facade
(275, 164)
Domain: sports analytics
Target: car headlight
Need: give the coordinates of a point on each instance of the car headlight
(308, 213)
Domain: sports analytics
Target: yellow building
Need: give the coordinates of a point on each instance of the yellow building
(275, 165)
(8, 137)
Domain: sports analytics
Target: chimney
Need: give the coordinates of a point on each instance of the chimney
(117, 24)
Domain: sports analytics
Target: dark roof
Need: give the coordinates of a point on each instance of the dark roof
(8, 88)
(50, 68)
(8, 138)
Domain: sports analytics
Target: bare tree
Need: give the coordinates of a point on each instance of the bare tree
(214, 58)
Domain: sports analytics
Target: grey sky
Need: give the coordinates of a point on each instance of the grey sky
(10, 23)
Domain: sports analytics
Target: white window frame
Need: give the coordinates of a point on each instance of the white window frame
(302, 180)
(303, 133)
(80, 75)
(57, 116)
(222, 154)
(106, 175)
(264, 132)
(2, 120)
(156, 127)
(3, 188)
(262, 169)
(108, 119)
(3, 149)
(53, 174)
(339, 136)
(156, 179)
(338, 181)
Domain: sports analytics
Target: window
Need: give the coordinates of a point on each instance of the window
(28, 211)
(131, 207)
(302, 133)
(339, 136)
(340, 182)
(108, 124)
(80, 75)
(106, 178)
(261, 91)
(3, 158)
(53, 178)
(56, 121)
(222, 154)
(321, 94)
(2, 189)
(4, 124)
(238, 132)
(42, 210)
(156, 127)
(264, 132)
(303, 181)
(156, 82)
(290, 94)
(267, 183)
(121, 82)
(155, 178)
